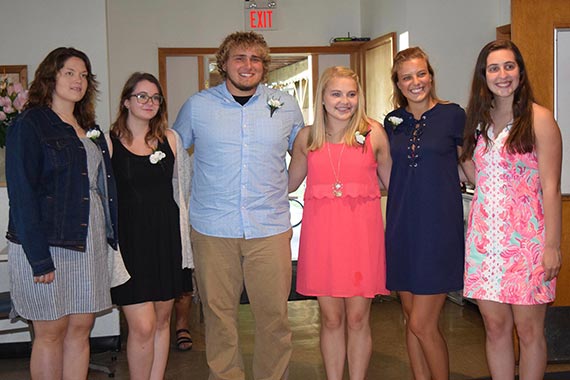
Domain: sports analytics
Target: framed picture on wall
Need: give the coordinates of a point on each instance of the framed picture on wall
(9, 75)
(15, 73)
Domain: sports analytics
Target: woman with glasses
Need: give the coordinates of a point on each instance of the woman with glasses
(148, 160)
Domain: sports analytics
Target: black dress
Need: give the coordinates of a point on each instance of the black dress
(149, 227)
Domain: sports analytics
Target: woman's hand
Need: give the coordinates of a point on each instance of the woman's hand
(551, 262)
(45, 278)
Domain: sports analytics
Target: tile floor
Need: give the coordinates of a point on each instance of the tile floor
(462, 326)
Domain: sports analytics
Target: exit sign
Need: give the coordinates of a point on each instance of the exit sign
(260, 19)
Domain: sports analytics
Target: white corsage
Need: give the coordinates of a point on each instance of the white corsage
(395, 120)
(156, 156)
(274, 104)
(93, 134)
(361, 137)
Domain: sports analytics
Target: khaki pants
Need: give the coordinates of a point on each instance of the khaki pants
(222, 266)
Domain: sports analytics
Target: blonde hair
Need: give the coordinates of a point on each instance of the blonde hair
(359, 121)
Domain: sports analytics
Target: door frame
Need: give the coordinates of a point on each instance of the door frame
(350, 48)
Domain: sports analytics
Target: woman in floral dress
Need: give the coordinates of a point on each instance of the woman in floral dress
(513, 153)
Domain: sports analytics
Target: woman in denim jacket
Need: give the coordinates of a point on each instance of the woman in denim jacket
(62, 214)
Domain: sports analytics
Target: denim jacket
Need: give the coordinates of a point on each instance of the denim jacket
(48, 187)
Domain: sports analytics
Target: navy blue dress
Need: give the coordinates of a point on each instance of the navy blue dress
(424, 214)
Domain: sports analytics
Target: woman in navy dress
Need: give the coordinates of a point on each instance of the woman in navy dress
(424, 226)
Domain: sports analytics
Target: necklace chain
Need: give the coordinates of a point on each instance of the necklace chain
(70, 120)
(337, 186)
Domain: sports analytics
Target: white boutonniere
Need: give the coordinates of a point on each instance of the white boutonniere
(361, 137)
(157, 156)
(93, 134)
(395, 121)
(274, 104)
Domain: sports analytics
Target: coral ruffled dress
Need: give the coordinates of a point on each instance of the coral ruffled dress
(341, 251)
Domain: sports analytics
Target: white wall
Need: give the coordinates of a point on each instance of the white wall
(30, 29)
(451, 32)
(137, 28)
(122, 36)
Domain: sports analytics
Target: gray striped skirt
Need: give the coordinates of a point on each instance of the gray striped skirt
(82, 283)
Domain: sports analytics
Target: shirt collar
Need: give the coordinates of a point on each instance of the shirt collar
(230, 98)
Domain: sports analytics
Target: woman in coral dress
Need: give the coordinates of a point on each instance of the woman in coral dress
(513, 153)
(341, 255)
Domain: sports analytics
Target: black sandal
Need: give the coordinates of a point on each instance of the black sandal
(183, 343)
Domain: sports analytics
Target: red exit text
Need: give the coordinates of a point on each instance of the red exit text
(260, 19)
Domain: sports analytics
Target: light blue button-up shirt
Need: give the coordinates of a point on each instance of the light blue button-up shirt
(239, 188)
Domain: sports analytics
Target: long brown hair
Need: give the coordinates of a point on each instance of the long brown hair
(43, 85)
(358, 122)
(398, 98)
(521, 136)
(157, 125)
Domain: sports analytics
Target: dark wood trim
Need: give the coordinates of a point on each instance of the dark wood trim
(563, 281)
(533, 23)
(503, 32)
(20, 70)
(201, 71)
(164, 53)
(389, 38)
(338, 48)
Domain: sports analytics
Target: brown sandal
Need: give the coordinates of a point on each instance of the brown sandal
(183, 340)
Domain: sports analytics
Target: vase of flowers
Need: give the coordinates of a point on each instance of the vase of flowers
(13, 97)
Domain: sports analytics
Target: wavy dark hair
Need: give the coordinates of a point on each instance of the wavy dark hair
(521, 137)
(158, 124)
(243, 40)
(43, 85)
(398, 98)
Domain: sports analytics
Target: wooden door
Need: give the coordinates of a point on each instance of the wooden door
(532, 29)
(376, 58)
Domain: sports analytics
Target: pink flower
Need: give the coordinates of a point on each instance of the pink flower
(18, 88)
(13, 98)
(20, 100)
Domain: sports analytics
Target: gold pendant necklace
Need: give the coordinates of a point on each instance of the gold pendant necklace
(337, 185)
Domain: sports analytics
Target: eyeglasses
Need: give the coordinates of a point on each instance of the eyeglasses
(143, 98)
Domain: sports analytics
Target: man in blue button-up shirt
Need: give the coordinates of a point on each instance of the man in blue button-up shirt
(239, 210)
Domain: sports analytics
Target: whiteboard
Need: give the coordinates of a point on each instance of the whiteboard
(562, 98)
